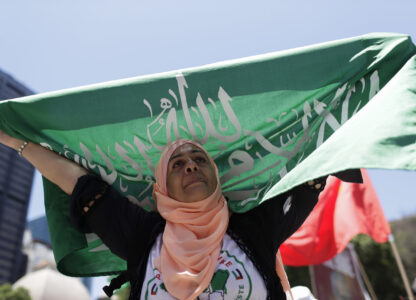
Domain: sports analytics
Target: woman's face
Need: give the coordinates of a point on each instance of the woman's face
(190, 177)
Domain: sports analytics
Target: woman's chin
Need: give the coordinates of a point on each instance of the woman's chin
(196, 192)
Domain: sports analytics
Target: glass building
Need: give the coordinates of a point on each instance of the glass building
(16, 176)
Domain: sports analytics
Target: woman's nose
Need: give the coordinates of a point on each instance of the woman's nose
(191, 166)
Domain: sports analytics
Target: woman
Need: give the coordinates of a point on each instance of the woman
(192, 247)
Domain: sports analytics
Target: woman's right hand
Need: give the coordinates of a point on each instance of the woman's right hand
(9, 141)
(54, 167)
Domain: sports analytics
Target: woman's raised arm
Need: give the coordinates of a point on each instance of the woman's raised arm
(51, 165)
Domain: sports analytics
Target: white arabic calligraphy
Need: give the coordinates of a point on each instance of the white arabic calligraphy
(214, 121)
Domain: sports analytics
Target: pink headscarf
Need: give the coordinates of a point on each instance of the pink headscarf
(193, 233)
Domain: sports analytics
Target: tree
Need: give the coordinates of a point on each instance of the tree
(299, 276)
(8, 293)
(381, 268)
(404, 236)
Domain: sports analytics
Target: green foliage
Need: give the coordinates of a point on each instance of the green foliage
(8, 293)
(404, 234)
(381, 268)
(299, 276)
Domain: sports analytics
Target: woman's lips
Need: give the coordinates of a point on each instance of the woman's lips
(192, 180)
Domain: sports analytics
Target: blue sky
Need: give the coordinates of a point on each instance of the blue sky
(50, 45)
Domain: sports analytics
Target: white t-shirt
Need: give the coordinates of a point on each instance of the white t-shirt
(235, 277)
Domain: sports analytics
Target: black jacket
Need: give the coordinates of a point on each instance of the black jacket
(130, 231)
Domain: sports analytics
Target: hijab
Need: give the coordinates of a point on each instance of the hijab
(193, 234)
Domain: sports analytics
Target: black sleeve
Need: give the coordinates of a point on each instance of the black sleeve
(118, 222)
(282, 215)
(299, 205)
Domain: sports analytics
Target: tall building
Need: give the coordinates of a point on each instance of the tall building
(16, 176)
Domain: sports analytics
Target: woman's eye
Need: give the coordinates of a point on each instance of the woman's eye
(200, 159)
(177, 164)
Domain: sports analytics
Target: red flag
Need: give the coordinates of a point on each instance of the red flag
(343, 211)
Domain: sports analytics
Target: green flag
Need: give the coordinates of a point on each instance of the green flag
(270, 122)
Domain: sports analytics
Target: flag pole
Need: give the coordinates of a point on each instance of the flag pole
(313, 282)
(401, 268)
(365, 278)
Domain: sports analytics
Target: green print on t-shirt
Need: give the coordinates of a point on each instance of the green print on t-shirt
(228, 265)
(219, 281)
